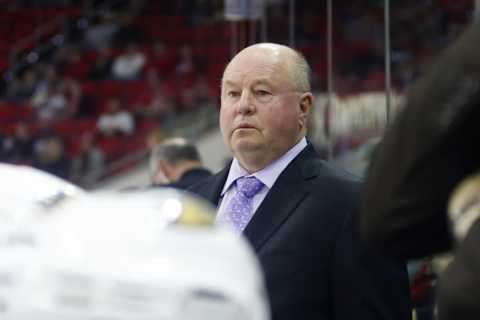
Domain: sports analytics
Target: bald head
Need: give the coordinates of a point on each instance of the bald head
(291, 61)
(265, 103)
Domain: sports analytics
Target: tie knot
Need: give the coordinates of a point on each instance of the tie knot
(249, 186)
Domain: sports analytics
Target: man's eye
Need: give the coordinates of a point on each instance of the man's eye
(233, 94)
(262, 93)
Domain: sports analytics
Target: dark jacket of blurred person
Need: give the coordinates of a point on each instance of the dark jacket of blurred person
(22, 89)
(18, 148)
(101, 67)
(51, 157)
(176, 163)
(429, 149)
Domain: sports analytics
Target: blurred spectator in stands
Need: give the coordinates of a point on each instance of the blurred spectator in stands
(176, 163)
(152, 103)
(88, 163)
(18, 148)
(162, 59)
(129, 64)
(185, 75)
(54, 105)
(195, 95)
(101, 31)
(101, 68)
(128, 31)
(22, 88)
(115, 121)
(50, 156)
(42, 132)
(186, 65)
(60, 101)
(47, 76)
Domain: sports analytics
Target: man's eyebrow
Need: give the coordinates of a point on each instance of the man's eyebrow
(262, 81)
(228, 83)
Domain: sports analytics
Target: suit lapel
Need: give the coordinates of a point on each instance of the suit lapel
(292, 184)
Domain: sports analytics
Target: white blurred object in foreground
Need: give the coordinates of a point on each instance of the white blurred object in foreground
(27, 192)
(140, 255)
(28, 195)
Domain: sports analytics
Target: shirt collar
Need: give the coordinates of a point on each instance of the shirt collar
(267, 175)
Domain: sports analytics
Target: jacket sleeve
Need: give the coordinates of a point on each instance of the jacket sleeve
(428, 149)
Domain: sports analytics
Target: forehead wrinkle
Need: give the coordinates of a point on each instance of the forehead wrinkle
(246, 78)
(229, 83)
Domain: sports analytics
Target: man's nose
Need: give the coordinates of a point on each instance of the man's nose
(246, 103)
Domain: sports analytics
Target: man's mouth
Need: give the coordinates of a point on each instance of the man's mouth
(245, 126)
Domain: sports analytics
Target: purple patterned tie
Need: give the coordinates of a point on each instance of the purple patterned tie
(240, 208)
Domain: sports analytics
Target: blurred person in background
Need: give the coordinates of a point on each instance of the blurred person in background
(162, 59)
(175, 162)
(102, 66)
(298, 212)
(152, 103)
(129, 64)
(60, 101)
(422, 195)
(19, 147)
(51, 157)
(116, 121)
(22, 88)
(101, 31)
(88, 164)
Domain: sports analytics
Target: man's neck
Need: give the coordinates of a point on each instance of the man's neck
(255, 161)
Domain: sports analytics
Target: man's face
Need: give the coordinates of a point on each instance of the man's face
(260, 111)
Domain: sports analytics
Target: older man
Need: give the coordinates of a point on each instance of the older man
(176, 163)
(297, 211)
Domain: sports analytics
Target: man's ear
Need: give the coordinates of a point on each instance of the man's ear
(305, 105)
(162, 173)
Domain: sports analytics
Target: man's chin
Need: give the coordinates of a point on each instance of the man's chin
(245, 145)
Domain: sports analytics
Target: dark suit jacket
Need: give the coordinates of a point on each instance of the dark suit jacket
(305, 237)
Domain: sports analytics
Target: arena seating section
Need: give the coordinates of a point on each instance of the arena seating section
(210, 43)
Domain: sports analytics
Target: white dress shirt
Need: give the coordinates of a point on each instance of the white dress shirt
(267, 175)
